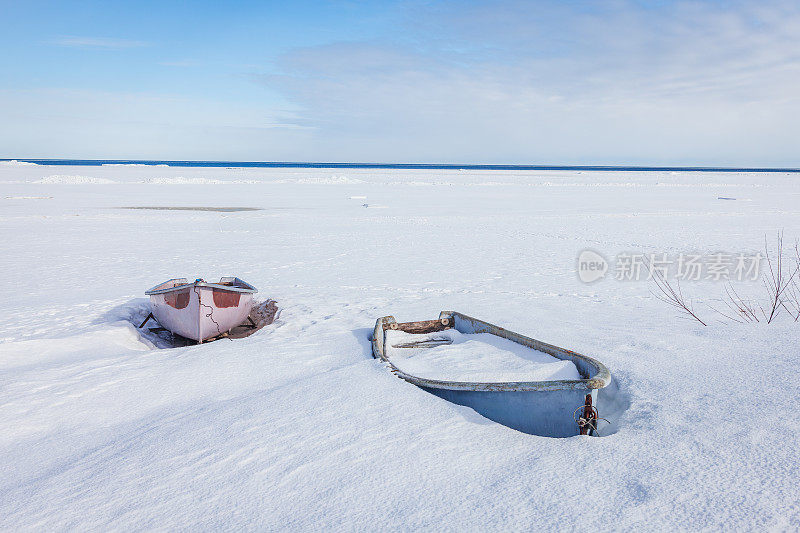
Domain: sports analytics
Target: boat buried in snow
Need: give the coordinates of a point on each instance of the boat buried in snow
(201, 310)
(517, 381)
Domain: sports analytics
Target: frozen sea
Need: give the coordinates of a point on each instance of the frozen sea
(297, 428)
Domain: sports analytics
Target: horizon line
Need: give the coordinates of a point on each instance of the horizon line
(401, 166)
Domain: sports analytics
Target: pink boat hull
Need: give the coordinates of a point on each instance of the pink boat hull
(200, 310)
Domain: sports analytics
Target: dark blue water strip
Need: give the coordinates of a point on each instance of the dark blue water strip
(401, 166)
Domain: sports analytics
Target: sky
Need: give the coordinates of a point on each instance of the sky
(713, 83)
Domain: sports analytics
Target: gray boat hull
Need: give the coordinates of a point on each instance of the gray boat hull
(545, 413)
(546, 408)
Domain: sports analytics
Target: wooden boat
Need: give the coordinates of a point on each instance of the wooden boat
(555, 408)
(200, 310)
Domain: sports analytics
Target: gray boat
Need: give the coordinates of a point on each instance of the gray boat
(559, 408)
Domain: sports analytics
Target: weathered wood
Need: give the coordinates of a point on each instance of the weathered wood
(149, 316)
(423, 326)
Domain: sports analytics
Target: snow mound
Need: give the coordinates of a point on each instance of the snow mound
(133, 165)
(417, 183)
(332, 180)
(454, 356)
(588, 184)
(706, 185)
(15, 163)
(492, 184)
(115, 338)
(74, 180)
(180, 180)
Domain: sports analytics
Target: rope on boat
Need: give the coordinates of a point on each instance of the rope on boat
(587, 420)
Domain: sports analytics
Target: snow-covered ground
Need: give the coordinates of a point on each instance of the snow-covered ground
(297, 427)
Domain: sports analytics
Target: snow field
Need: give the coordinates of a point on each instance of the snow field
(297, 427)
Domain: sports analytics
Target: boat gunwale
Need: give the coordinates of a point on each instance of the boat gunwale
(155, 290)
(600, 379)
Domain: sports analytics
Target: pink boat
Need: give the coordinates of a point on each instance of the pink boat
(200, 310)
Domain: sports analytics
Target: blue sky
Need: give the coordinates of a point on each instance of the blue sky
(613, 82)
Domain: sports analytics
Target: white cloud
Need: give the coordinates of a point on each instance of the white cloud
(527, 82)
(686, 83)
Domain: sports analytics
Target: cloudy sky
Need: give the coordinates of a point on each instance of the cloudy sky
(562, 82)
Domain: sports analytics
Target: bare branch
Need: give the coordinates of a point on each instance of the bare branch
(671, 295)
(778, 281)
(792, 301)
